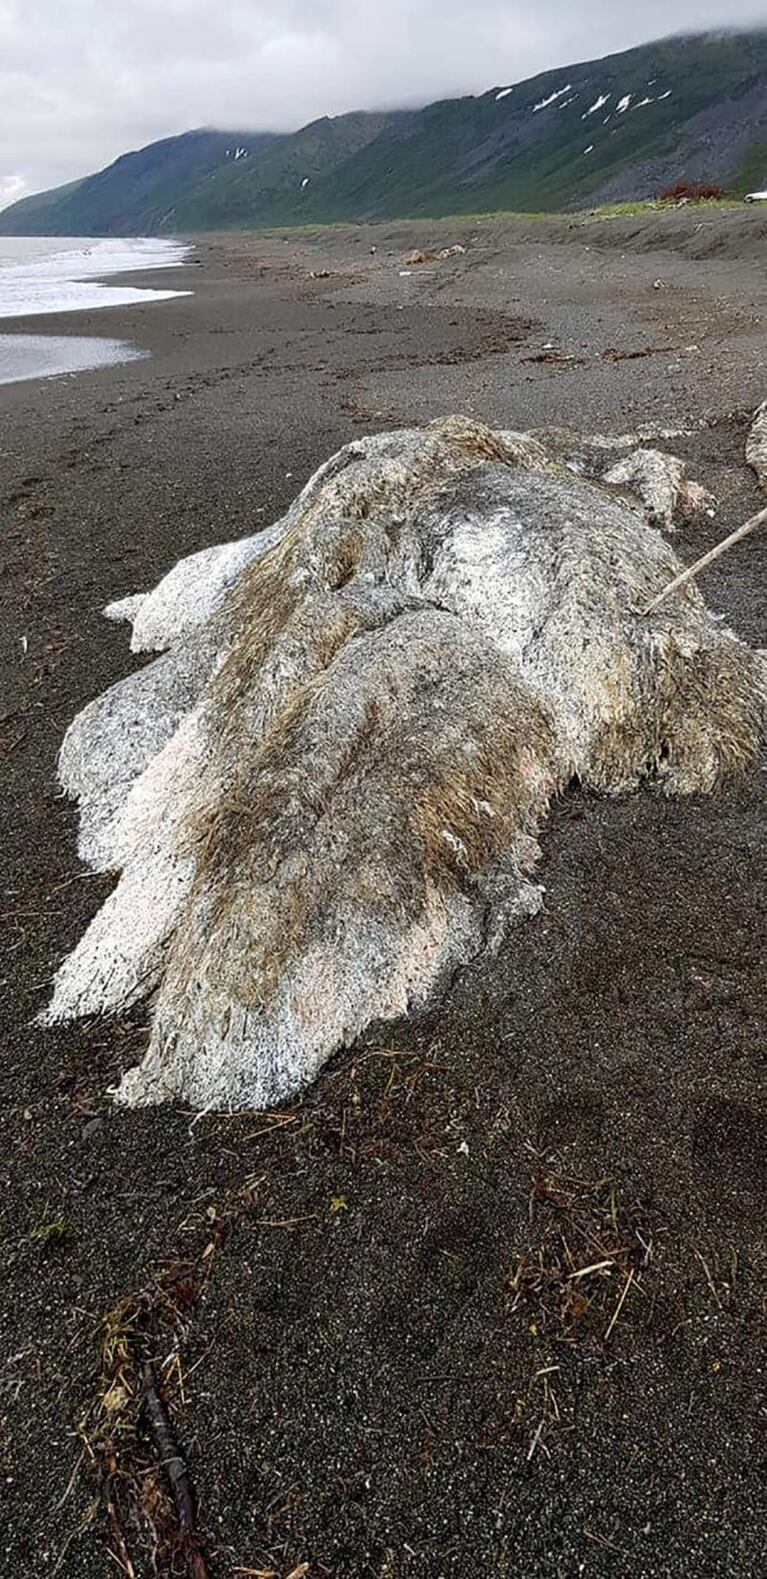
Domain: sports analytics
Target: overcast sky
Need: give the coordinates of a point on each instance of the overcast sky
(82, 81)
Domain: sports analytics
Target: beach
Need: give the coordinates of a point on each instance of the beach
(375, 1318)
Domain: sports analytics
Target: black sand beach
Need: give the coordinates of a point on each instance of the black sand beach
(385, 1370)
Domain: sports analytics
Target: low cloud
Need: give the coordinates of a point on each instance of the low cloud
(12, 187)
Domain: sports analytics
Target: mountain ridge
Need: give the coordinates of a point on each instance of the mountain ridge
(693, 107)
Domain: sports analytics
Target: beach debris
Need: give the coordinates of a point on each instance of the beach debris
(176, 1474)
(756, 445)
(130, 1447)
(554, 356)
(652, 476)
(585, 1241)
(319, 274)
(418, 257)
(637, 354)
(659, 482)
(693, 501)
(585, 453)
(647, 433)
(325, 794)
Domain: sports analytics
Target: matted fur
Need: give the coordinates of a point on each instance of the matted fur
(756, 444)
(325, 795)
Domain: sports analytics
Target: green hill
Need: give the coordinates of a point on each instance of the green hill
(692, 108)
(136, 194)
(281, 177)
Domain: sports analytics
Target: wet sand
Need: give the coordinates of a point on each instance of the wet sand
(384, 1371)
(37, 356)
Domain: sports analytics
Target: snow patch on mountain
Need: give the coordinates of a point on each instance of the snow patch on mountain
(543, 104)
(597, 105)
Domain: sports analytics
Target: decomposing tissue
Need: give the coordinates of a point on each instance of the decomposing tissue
(326, 793)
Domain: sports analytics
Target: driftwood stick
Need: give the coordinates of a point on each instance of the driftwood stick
(707, 559)
(176, 1473)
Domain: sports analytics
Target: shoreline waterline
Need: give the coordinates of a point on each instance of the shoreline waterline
(46, 275)
(29, 356)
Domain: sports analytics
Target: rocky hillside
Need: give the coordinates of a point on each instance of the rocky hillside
(623, 127)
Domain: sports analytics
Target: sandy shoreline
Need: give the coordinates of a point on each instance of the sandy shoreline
(360, 1392)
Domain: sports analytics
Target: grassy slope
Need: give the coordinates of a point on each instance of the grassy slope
(247, 193)
(752, 175)
(538, 161)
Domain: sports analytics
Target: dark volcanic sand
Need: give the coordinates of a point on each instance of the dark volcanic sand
(363, 1388)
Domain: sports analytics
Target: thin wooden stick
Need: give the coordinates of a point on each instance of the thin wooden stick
(709, 1279)
(708, 559)
(619, 1306)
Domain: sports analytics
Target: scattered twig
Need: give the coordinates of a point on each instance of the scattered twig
(71, 1482)
(709, 1280)
(707, 559)
(276, 1121)
(619, 1306)
(585, 1271)
(535, 1441)
(601, 1540)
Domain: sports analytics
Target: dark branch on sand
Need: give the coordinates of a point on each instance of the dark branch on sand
(176, 1474)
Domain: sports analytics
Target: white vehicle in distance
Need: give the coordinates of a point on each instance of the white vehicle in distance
(755, 197)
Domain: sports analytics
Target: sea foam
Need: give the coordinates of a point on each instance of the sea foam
(54, 275)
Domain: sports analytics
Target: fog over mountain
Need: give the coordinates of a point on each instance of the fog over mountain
(82, 82)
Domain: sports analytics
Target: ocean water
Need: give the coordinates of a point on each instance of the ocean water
(41, 275)
(46, 274)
